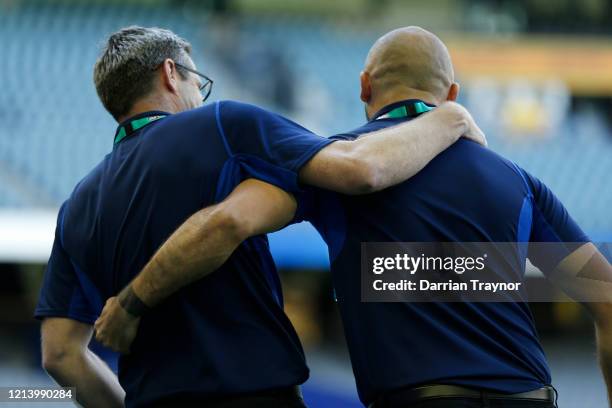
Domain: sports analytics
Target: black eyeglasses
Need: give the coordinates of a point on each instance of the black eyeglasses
(206, 86)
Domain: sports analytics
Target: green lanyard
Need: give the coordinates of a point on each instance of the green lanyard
(125, 131)
(406, 110)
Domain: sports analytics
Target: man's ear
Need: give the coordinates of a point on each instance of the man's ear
(366, 86)
(453, 92)
(169, 75)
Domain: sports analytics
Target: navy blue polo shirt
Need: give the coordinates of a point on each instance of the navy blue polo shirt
(224, 334)
(466, 194)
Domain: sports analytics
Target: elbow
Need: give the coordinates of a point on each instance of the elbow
(368, 183)
(54, 359)
(365, 176)
(235, 228)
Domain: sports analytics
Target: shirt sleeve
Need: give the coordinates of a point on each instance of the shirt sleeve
(551, 224)
(61, 294)
(256, 135)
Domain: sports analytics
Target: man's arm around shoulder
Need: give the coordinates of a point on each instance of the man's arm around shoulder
(198, 247)
(207, 239)
(389, 156)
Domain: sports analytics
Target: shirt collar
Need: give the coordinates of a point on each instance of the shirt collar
(394, 105)
(126, 123)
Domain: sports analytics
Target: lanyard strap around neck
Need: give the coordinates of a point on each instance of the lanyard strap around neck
(134, 125)
(410, 109)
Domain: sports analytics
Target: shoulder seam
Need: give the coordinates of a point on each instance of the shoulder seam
(520, 173)
(220, 129)
(61, 223)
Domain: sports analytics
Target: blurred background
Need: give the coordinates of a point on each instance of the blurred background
(536, 75)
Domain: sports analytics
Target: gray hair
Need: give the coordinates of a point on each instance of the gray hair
(124, 72)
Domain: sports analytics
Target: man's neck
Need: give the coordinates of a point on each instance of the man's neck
(150, 104)
(393, 97)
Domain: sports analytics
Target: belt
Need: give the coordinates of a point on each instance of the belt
(411, 395)
(250, 399)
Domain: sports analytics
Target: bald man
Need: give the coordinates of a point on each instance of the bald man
(415, 354)
(407, 61)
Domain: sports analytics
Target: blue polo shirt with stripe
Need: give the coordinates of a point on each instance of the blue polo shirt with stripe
(468, 193)
(225, 334)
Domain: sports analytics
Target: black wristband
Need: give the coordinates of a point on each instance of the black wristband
(132, 303)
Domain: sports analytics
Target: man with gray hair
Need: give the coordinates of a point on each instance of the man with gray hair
(126, 72)
(224, 341)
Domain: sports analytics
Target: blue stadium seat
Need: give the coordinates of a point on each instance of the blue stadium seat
(53, 128)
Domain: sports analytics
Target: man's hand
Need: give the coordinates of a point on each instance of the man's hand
(473, 132)
(116, 328)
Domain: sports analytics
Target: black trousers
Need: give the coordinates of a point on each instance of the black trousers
(478, 403)
(285, 398)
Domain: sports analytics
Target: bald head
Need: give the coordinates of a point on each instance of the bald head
(409, 58)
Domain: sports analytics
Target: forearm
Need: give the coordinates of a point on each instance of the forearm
(404, 151)
(585, 275)
(389, 156)
(604, 351)
(602, 315)
(96, 385)
(201, 245)
(198, 247)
